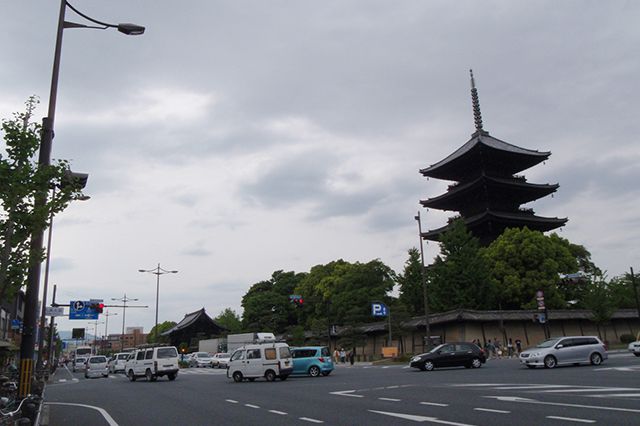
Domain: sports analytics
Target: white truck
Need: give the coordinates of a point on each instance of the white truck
(209, 345)
(235, 341)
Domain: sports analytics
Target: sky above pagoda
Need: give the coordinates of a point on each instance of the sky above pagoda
(236, 138)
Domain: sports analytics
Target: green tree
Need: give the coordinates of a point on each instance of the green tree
(266, 305)
(162, 327)
(459, 277)
(599, 300)
(622, 291)
(522, 262)
(410, 281)
(230, 320)
(21, 181)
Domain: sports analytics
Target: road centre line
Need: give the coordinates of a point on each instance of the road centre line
(282, 413)
(525, 387)
(435, 404)
(571, 419)
(574, 390)
(618, 395)
(251, 406)
(233, 401)
(307, 419)
(102, 411)
(491, 410)
(390, 399)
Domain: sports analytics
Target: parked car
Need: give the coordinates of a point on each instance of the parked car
(312, 360)
(79, 364)
(200, 359)
(634, 347)
(565, 350)
(457, 354)
(117, 362)
(153, 362)
(97, 365)
(268, 360)
(215, 359)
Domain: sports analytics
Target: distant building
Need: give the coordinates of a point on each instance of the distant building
(192, 328)
(486, 191)
(134, 337)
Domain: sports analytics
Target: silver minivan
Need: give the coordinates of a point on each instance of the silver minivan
(565, 351)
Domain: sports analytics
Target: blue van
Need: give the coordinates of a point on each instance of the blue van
(312, 360)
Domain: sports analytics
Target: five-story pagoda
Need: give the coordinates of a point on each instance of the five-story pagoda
(487, 192)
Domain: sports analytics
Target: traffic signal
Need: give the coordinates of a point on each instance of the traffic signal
(99, 307)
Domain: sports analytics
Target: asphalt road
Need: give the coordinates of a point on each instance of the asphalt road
(500, 393)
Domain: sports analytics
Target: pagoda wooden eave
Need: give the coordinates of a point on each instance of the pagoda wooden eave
(520, 191)
(498, 221)
(484, 151)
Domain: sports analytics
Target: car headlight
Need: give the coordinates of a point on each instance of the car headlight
(415, 359)
(535, 354)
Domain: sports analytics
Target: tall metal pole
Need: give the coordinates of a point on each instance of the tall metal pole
(157, 271)
(124, 301)
(45, 288)
(27, 344)
(635, 291)
(51, 345)
(424, 284)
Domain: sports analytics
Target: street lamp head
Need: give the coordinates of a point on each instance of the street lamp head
(131, 29)
(173, 272)
(142, 270)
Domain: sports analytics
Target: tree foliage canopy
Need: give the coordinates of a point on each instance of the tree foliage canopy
(21, 181)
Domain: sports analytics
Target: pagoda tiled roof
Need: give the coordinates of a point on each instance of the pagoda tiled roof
(190, 319)
(505, 220)
(519, 189)
(511, 158)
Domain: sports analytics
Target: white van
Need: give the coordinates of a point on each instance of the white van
(268, 360)
(153, 362)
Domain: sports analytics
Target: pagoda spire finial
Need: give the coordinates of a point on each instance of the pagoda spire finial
(477, 117)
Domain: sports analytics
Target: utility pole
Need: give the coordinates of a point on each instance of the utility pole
(424, 285)
(635, 291)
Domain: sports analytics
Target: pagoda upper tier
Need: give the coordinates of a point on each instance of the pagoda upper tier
(487, 192)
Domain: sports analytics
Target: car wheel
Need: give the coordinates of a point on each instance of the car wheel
(270, 376)
(150, 376)
(595, 358)
(172, 376)
(476, 363)
(636, 353)
(550, 361)
(428, 366)
(237, 377)
(314, 371)
(105, 375)
(132, 377)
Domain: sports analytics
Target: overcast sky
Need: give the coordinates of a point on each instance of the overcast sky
(236, 138)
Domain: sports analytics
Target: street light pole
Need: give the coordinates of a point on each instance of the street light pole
(424, 283)
(124, 301)
(106, 324)
(27, 345)
(157, 271)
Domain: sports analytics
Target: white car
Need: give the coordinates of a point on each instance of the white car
(268, 360)
(153, 362)
(97, 365)
(116, 364)
(79, 364)
(200, 359)
(634, 347)
(220, 360)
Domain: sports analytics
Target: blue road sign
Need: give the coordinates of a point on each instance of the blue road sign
(82, 310)
(379, 309)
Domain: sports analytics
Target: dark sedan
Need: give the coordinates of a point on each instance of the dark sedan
(457, 354)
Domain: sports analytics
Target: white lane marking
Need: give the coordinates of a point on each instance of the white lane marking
(571, 419)
(62, 380)
(406, 366)
(393, 387)
(574, 390)
(435, 404)
(251, 406)
(491, 410)
(102, 411)
(307, 419)
(233, 401)
(390, 399)
(347, 393)
(75, 380)
(607, 395)
(415, 418)
(282, 413)
(470, 385)
(386, 366)
(532, 387)
(560, 404)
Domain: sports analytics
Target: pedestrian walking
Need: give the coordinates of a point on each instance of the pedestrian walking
(336, 356)
(343, 355)
(352, 356)
(518, 346)
(510, 348)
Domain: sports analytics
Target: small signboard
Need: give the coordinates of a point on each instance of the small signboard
(16, 324)
(379, 309)
(51, 311)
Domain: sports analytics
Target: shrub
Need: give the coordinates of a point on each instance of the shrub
(627, 338)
